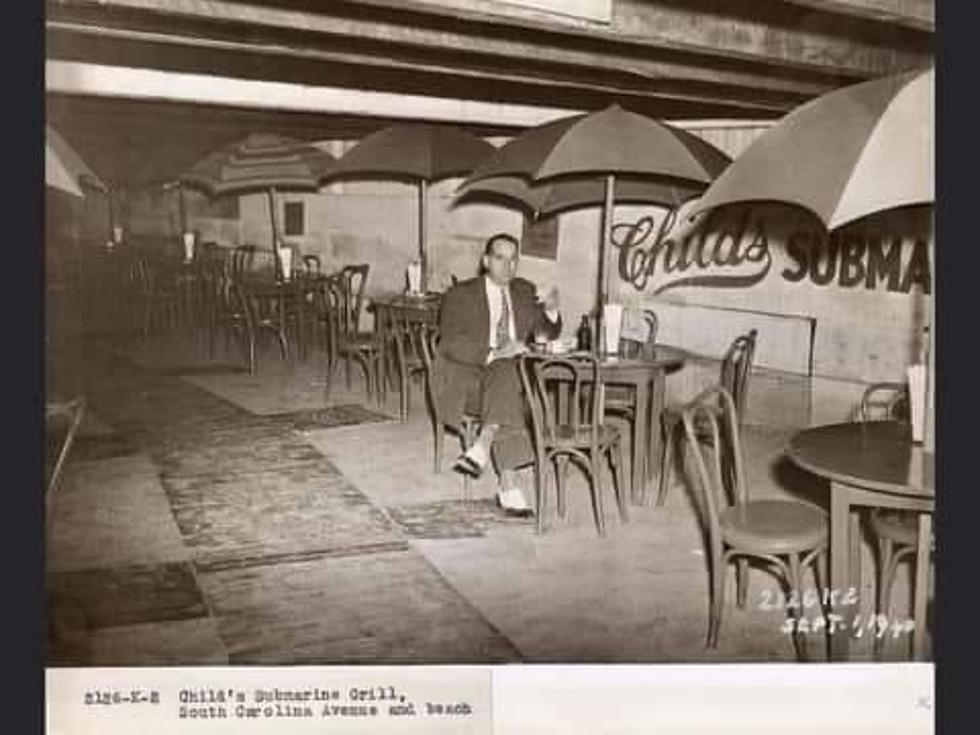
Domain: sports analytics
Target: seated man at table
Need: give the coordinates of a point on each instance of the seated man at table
(485, 323)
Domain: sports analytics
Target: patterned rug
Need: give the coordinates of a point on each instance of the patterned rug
(330, 417)
(295, 563)
(451, 519)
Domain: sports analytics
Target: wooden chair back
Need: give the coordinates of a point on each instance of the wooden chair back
(69, 414)
(884, 401)
(719, 461)
(564, 396)
(736, 370)
(354, 279)
(632, 348)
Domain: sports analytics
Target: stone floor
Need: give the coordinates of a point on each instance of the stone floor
(209, 516)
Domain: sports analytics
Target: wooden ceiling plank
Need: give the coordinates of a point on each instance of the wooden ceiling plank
(751, 102)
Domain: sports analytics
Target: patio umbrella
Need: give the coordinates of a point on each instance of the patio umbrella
(604, 146)
(414, 152)
(261, 162)
(64, 169)
(557, 195)
(853, 152)
(850, 153)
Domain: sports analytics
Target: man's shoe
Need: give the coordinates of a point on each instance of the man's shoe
(512, 502)
(473, 460)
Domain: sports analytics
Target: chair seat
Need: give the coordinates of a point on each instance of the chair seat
(895, 525)
(774, 526)
(581, 436)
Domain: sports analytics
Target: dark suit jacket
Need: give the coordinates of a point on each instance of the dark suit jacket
(464, 342)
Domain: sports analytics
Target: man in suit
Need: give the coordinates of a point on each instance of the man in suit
(485, 323)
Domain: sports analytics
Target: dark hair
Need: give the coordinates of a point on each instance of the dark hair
(501, 237)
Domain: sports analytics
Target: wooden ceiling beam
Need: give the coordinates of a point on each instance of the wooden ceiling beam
(665, 48)
(919, 15)
(68, 40)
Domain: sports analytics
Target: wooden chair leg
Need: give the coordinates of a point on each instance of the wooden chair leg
(440, 433)
(796, 586)
(717, 602)
(821, 573)
(666, 460)
(741, 581)
(616, 466)
(597, 492)
(561, 483)
(469, 436)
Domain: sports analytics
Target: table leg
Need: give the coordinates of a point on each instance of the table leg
(854, 572)
(656, 409)
(642, 419)
(839, 557)
(921, 586)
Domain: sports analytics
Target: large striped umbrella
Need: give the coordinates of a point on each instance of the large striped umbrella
(64, 169)
(418, 153)
(261, 162)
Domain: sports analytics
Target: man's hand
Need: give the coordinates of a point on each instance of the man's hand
(550, 300)
(510, 350)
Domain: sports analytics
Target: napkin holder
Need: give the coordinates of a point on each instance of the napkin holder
(917, 400)
(612, 326)
(413, 275)
(188, 239)
(286, 262)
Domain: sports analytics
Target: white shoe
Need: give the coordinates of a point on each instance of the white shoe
(474, 459)
(513, 502)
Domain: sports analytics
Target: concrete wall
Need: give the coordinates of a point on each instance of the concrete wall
(857, 333)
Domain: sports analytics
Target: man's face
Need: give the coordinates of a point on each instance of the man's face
(501, 262)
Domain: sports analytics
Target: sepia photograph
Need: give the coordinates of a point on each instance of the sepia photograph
(387, 332)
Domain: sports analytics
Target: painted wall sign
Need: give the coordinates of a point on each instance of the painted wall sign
(733, 251)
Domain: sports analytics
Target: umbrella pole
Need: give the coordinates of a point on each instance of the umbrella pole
(602, 277)
(111, 215)
(423, 232)
(182, 208)
(275, 230)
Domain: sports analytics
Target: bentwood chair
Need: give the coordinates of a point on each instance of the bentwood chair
(788, 535)
(159, 300)
(565, 398)
(425, 337)
(345, 293)
(736, 369)
(402, 342)
(62, 420)
(228, 311)
(896, 532)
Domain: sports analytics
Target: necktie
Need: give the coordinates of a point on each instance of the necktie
(503, 324)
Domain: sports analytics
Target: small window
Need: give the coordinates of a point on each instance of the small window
(293, 215)
(540, 238)
(224, 207)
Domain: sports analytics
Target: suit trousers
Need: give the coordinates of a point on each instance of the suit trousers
(502, 403)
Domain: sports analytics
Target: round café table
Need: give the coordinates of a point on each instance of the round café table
(871, 464)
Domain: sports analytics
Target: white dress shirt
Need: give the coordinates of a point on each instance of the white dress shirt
(495, 296)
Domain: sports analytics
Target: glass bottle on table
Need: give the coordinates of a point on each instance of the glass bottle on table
(583, 335)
